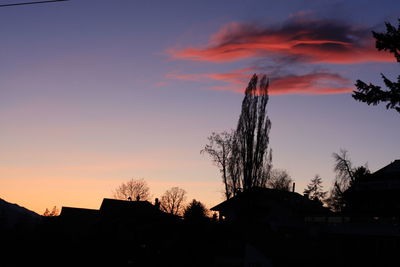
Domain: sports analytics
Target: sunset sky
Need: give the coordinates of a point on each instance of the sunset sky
(95, 92)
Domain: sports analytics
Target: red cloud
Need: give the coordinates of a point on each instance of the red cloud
(299, 40)
(312, 83)
(307, 40)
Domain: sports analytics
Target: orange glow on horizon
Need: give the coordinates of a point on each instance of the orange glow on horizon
(38, 193)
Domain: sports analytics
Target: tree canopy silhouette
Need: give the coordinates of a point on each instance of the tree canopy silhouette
(195, 211)
(133, 190)
(373, 94)
(243, 156)
(280, 180)
(251, 137)
(314, 189)
(346, 176)
(173, 200)
(54, 212)
(219, 148)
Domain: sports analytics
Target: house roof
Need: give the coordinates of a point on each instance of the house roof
(109, 203)
(74, 212)
(390, 172)
(384, 180)
(128, 208)
(258, 197)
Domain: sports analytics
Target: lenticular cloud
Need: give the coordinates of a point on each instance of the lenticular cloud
(297, 42)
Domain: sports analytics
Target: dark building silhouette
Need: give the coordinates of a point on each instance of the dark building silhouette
(271, 206)
(376, 195)
(120, 233)
(265, 224)
(143, 209)
(140, 211)
(270, 225)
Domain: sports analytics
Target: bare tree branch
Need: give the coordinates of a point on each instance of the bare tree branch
(133, 190)
(173, 201)
(279, 180)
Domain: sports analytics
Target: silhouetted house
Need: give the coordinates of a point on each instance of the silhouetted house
(127, 230)
(113, 215)
(77, 220)
(376, 195)
(264, 222)
(121, 217)
(270, 206)
(140, 211)
(116, 209)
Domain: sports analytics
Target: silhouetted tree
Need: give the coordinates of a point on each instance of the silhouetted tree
(280, 180)
(346, 176)
(219, 147)
(360, 173)
(52, 213)
(242, 155)
(195, 211)
(173, 200)
(314, 189)
(373, 94)
(251, 138)
(133, 190)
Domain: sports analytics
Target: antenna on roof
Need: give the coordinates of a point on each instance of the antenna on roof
(294, 186)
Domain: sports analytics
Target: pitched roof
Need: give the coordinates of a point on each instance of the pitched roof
(125, 207)
(77, 212)
(258, 197)
(384, 180)
(391, 171)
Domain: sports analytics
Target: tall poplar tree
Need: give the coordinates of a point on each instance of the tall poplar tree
(242, 155)
(251, 137)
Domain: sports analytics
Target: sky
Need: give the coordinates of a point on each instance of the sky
(96, 92)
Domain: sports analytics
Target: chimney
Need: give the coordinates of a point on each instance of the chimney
(294, 186)
(157, 203)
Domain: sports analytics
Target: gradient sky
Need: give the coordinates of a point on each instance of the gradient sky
(95, 92)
